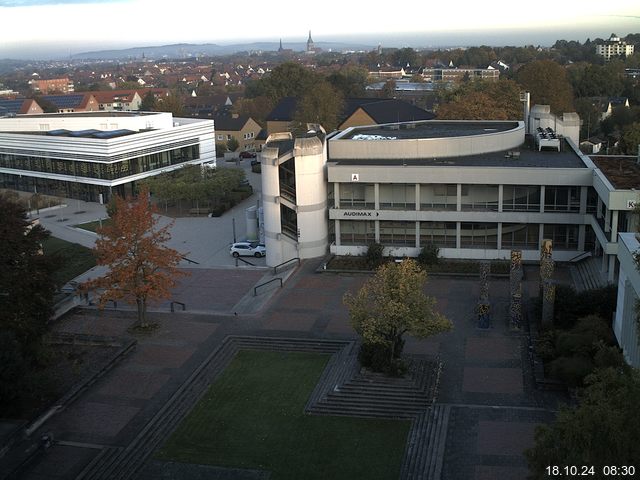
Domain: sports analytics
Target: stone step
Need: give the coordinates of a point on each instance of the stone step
(399, 387)
(372, 390)
(391, 404)
(100, 462)
(355, 411)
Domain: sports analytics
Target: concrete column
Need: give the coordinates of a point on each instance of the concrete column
(607, 220)
(599, 208)
(417, 196)
(540, 235)
(458, 230)
(376, 199)
(337, 231)
(614, 226)
(603, 266)
(612, 268)
(499, 235)
(542, 194)
(417, 234)
(377, 230)
(583, 200)
(459, 197)
(336, 195)
(582, 234)
(500, 197)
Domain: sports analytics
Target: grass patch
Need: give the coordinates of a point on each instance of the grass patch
(93, 226)
(253, 417)
(72, 259)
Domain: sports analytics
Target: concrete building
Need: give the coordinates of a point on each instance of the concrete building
(85, 155)
(614, 47)
(53, 85)
(19, 106)
(625, 325)
(474, 189)
(118, 100)
(244, 129)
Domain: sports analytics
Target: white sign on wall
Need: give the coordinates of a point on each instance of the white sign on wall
(355, 177)
(631, 204)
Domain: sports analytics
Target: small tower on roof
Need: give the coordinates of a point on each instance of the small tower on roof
(310, 46)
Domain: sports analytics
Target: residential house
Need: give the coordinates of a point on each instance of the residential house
(53, 85)
(614, 47)
(244, 129)
(19, 106)
(76, 102)
(118, 100)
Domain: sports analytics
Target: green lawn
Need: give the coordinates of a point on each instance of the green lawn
(72, 259)
(93, 226)
(252, 417)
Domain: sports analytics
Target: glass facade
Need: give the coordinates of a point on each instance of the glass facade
(101, 170)
(562, 199)
(519, 198)
(402, 234)
(357, 195)
(353, 232)
(480, 197)
(564, 237)
(440, 234)
(520, 235)
(398, 196)
(438, 196)
(479, 235)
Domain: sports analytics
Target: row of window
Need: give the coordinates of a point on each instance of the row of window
(104, 171)
(515, 198)
(444, 234)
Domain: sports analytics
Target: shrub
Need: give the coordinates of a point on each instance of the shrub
(374, 256)
(13, 367)
(608, 356)
(377, 357)
(429, 255)
(571, 305)
(571, 370)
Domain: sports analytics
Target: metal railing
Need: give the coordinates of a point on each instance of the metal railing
(190, 261)
(255, 289)
(275, 269)
(244, 261)
(580, 256)
(177, 303)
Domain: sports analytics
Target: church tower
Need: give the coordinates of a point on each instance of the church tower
(310, 46)
(280, 49)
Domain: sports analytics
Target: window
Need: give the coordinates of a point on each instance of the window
(520, 235)
(438, 197)
(564, 237)
(440, 234)
(398, 233)
(521, 198)
(478, 235)
(562, 199)
(480, 197)
(354, 232)
(357, 195)
(220, 137)
(229, 137)
(398, 196)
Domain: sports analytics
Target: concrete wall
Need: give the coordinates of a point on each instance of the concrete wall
(624, 325)
(80, 121)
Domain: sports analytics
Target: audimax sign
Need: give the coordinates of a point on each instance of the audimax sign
(359, 213)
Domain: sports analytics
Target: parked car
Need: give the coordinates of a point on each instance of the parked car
(247, 155)
(247, 249)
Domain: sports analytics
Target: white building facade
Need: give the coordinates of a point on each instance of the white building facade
(614, 47)
(89, 155)
(625, 324)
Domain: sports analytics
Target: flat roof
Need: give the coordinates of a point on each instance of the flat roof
(525, 157)
(101, 113)
(622, 171)
(427, 129)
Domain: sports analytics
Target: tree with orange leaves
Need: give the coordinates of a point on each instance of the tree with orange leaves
(141, 267)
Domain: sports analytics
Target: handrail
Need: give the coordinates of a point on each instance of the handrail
(255, 289)
(275, 269)
(190, 261)
(580, 256)
(243, 260)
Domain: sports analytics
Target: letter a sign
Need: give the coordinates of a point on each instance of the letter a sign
(355, 177)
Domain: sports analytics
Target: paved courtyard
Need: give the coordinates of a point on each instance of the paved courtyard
(485, 377)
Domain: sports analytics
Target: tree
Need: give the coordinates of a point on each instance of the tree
(141, 268)
(393, 303)
(483, 100)
(601, 431)
(351, 81)
(631, 139)
(322, 104)
(148, 103)
(173, 103)
(548, 83)
(388, 89)
(26, 283)
(232, 144)
(289, 79)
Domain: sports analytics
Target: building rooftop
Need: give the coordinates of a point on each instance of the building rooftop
(622, 171)
(91, 114)
(522, 157)
(431, 129)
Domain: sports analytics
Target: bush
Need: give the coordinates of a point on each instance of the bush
(571, 370)
(571, 305)
(429, 255)
(609, 356)
(377, 357)
(374, 256)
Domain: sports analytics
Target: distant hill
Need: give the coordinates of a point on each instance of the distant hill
(183, 50)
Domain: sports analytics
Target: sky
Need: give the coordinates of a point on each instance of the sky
(32, 28)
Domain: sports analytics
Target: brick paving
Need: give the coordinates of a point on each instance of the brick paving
(485, 381)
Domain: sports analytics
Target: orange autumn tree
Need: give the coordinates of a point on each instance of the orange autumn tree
(141, 268)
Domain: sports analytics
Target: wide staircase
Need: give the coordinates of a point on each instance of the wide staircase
(587, 275)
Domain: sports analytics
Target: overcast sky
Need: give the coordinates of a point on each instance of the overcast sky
(81, 25)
